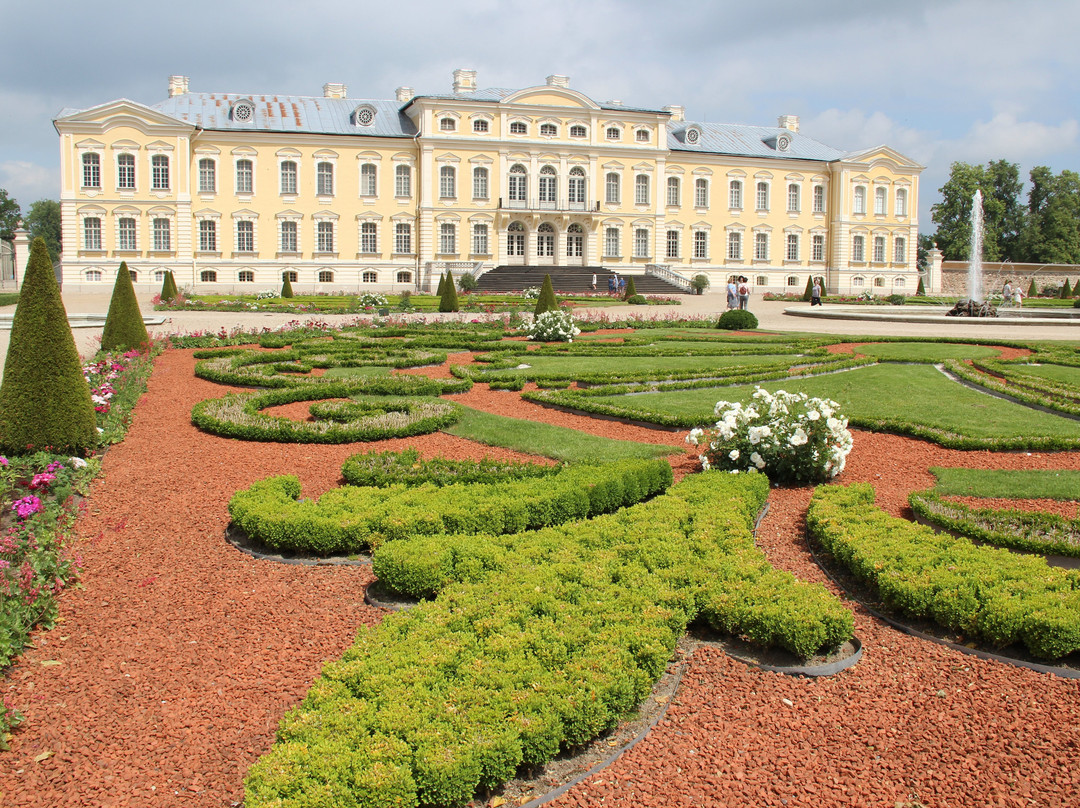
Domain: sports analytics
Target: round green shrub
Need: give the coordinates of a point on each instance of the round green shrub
(1076, 303)
(637, 300)
(467, 282)
(124, 326)
(737, 320)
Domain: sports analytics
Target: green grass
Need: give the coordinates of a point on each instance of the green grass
(352, 373)
(917, 394)
(9, 298)
(924, 351)
(546, 440)
(1055, 373)
(613, 363)
(1062, 485)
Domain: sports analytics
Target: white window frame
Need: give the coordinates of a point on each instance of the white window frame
(245, 235)
(207, 175)
(701, 245)
(761, 246)
(481, 242)
(447, 182)
(127, 237)
(160, 174)
(791, 247)
(899, 250)
(289, 230)
(674, 192)
(881, 200)
(287, 177)
(91, 170)
(734, 245)
(858, 249)
(369, 179)
(447, 238)
(879, 249)
(612, 242)
(208, 236)
(858, 205)
(244, 168)
(324, 178)
(480, 184)
(641, 189)
(641, 242)
(402, 180)
(369, 238)
(612, 188)
(735, 194)
(761, 196)
(162, 236)
(325, 237)
(900, 202)
(403, 238)
(671, 242)
(818, 195)
(701, 192)
(794, 197)
(817, 247)
(92, 233)
(125, 171)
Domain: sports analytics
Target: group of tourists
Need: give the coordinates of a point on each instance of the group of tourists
(1011, 295)
(738, 292)
(615, 284)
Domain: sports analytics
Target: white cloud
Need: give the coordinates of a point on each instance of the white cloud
(28, 182)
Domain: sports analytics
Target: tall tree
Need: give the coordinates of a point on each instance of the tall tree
(43, 221)
(1004, 187)
(10, 213)
(922, 255)
(999, 182)
(1052, 234)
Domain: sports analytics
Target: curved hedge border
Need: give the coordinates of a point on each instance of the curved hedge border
(545, 654)
(1029, 532)
(1020, 386)
(984, 593)
(238, 415)
(381, 469)
(351, 519)
(282, 368)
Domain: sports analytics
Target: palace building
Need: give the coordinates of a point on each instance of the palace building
(235, 192)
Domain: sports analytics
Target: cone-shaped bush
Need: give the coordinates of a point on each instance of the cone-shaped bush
(44, 398)
(808, 292)
(631, 290)
(167, 292)
(442, 286)
(921, 291)
(546, 301)
(124, 327)
(286, 288)
(1066, 290)
(173, 291)
(1033, 290)
(448, 301)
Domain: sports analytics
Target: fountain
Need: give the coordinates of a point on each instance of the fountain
(975, 305)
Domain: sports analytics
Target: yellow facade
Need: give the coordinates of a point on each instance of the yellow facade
(230, 192)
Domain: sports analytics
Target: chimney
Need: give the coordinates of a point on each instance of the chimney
(678, 112)
(334, 89)
(556, 80)
(404, 94)
(178, 85)
(790, 122)
(464, 81)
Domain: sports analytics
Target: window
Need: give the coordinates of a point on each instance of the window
(611, 186)
(324, 179)
(246, 276)
(641, 243)
(701, 244)
(794, 203)
(880, 201)
(207, 235)
(479, 125)
(548, 130)
(369, 276)
(290, 276)
(701, 193)
(448, 238)
(899, 283)
(518, 183)
(641, 189)
(402, 181)
(900, 250)
(858, 280)
(208, 276)
(515, 239)
(793, 280)
(326, 276)
(858, 249)
(860, 200)
(245, 236)
(879, 281)
(92, 233)
(245, 176)
(480, 183)
(576, 185)
(162, 235)
(879, 249)
(672, 244)
(127, 234)
(91, 170)
(404, 276)
(761, 280)
(819, 199)
(577, 130)
(134, 275)
(447, 125)
(324, 237)
(93, 275)
(761, 246)
(575, 241)
(207, 176)
(762, 196)
(288, 237)
(288, 177)
(403, 238)
(792, 253)
(548, 185)
(125, 172)
(367, 179)
(735, 194)
(611, 242)
(612, 133)
(518, 128)
(368, 237)
(480, 239)
(901, 202)
(159, 173)
(673, 191)
(159, 275)
(734, 246)
(545, 240)
(447, 182)
(642, 135)
(817, 248)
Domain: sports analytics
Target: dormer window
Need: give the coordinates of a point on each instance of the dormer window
(613, 133)
(480, 125)
(692, 135)
(447, 125)
(548, 130)
(783, 142)
(243, 111)
(364, 115)
(577, 130)
(518, 128)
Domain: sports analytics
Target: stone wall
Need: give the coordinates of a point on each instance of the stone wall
(954, 276)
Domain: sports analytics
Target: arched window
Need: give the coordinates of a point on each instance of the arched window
(761, 246)
(447, 125)
(126, 227)
(701, 244)
(641, 243)
(326, 276)
(480, 183)
(641, 189)
(901, 202)
(91, 233)
(880, 201)
(673, 191)
(518, 183)
(518, 128)
(162, 230)
(245, 176)
(672, 243)
(735, 194)
(368, 237)
(794, 202)
(879, 281)
(125, 171)
(480, 240)
(369, 276)
(288, 237)
(577, 130)
(611, 188)
(480, 125)
(290, 276)
(402, 181)
(762, 197)
(93, 275)
(817, 248)
(367, 179)
(324, 237)
(576, 186)
(159, 172)
(288, 177)
(611, 242)
(548, 130)
(545, 240)
(900, 250)
(858, 248)
(91, 168)
(134, 275)
(819, 199)
(575, 241)
(403, 238)
(734, 246)
(246, 276)
(793, 280)
(879, 249)
(899, 283)
(245, 236)
(548, 185)
(858, 280)
(515, 239)
(207, 235)
(208, 276)
(792, 252)
(207, 176)
(761, 280)
(404, 276)
(447, 182)
(613, 133)
(701, 193)
(860, 200)
(642, 135)
(324, 179)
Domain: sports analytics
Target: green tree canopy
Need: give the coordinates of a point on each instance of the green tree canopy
(10, 213)
(43, 221)
(1052, 234)
(1003, 218)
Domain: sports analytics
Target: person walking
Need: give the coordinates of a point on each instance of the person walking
(594, 281)
(1007, 293)
(732, 293)
(744, 293)
(815, 293)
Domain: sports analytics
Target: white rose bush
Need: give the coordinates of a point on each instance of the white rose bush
(553, 326)
(788, 436)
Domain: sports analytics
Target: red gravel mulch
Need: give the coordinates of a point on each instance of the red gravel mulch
(170, 669)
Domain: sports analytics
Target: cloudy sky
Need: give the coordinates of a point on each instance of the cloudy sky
(939, 80)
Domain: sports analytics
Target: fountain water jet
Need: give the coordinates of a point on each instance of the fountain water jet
(975, 305)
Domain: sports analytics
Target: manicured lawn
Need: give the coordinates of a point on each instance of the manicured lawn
(924, 351)
(1063, 485)
(1055, 373)
(661, 365)
(352, 373)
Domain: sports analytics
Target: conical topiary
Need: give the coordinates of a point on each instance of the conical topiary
(630, 289)
(286, 288)
(166, 295)
(809, 291)
(442, 286)
(1066, 291)
(448, 301)
(921, 291)
(546, 301)
(173, 291)
(1033, 290)
(124, 326)
(44, 398)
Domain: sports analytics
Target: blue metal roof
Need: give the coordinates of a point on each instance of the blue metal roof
(748, 141)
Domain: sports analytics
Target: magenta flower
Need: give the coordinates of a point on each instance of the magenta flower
(26, 507)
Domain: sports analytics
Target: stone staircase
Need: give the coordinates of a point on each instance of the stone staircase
(569, 280)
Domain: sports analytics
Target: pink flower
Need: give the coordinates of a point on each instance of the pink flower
(26, 507)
